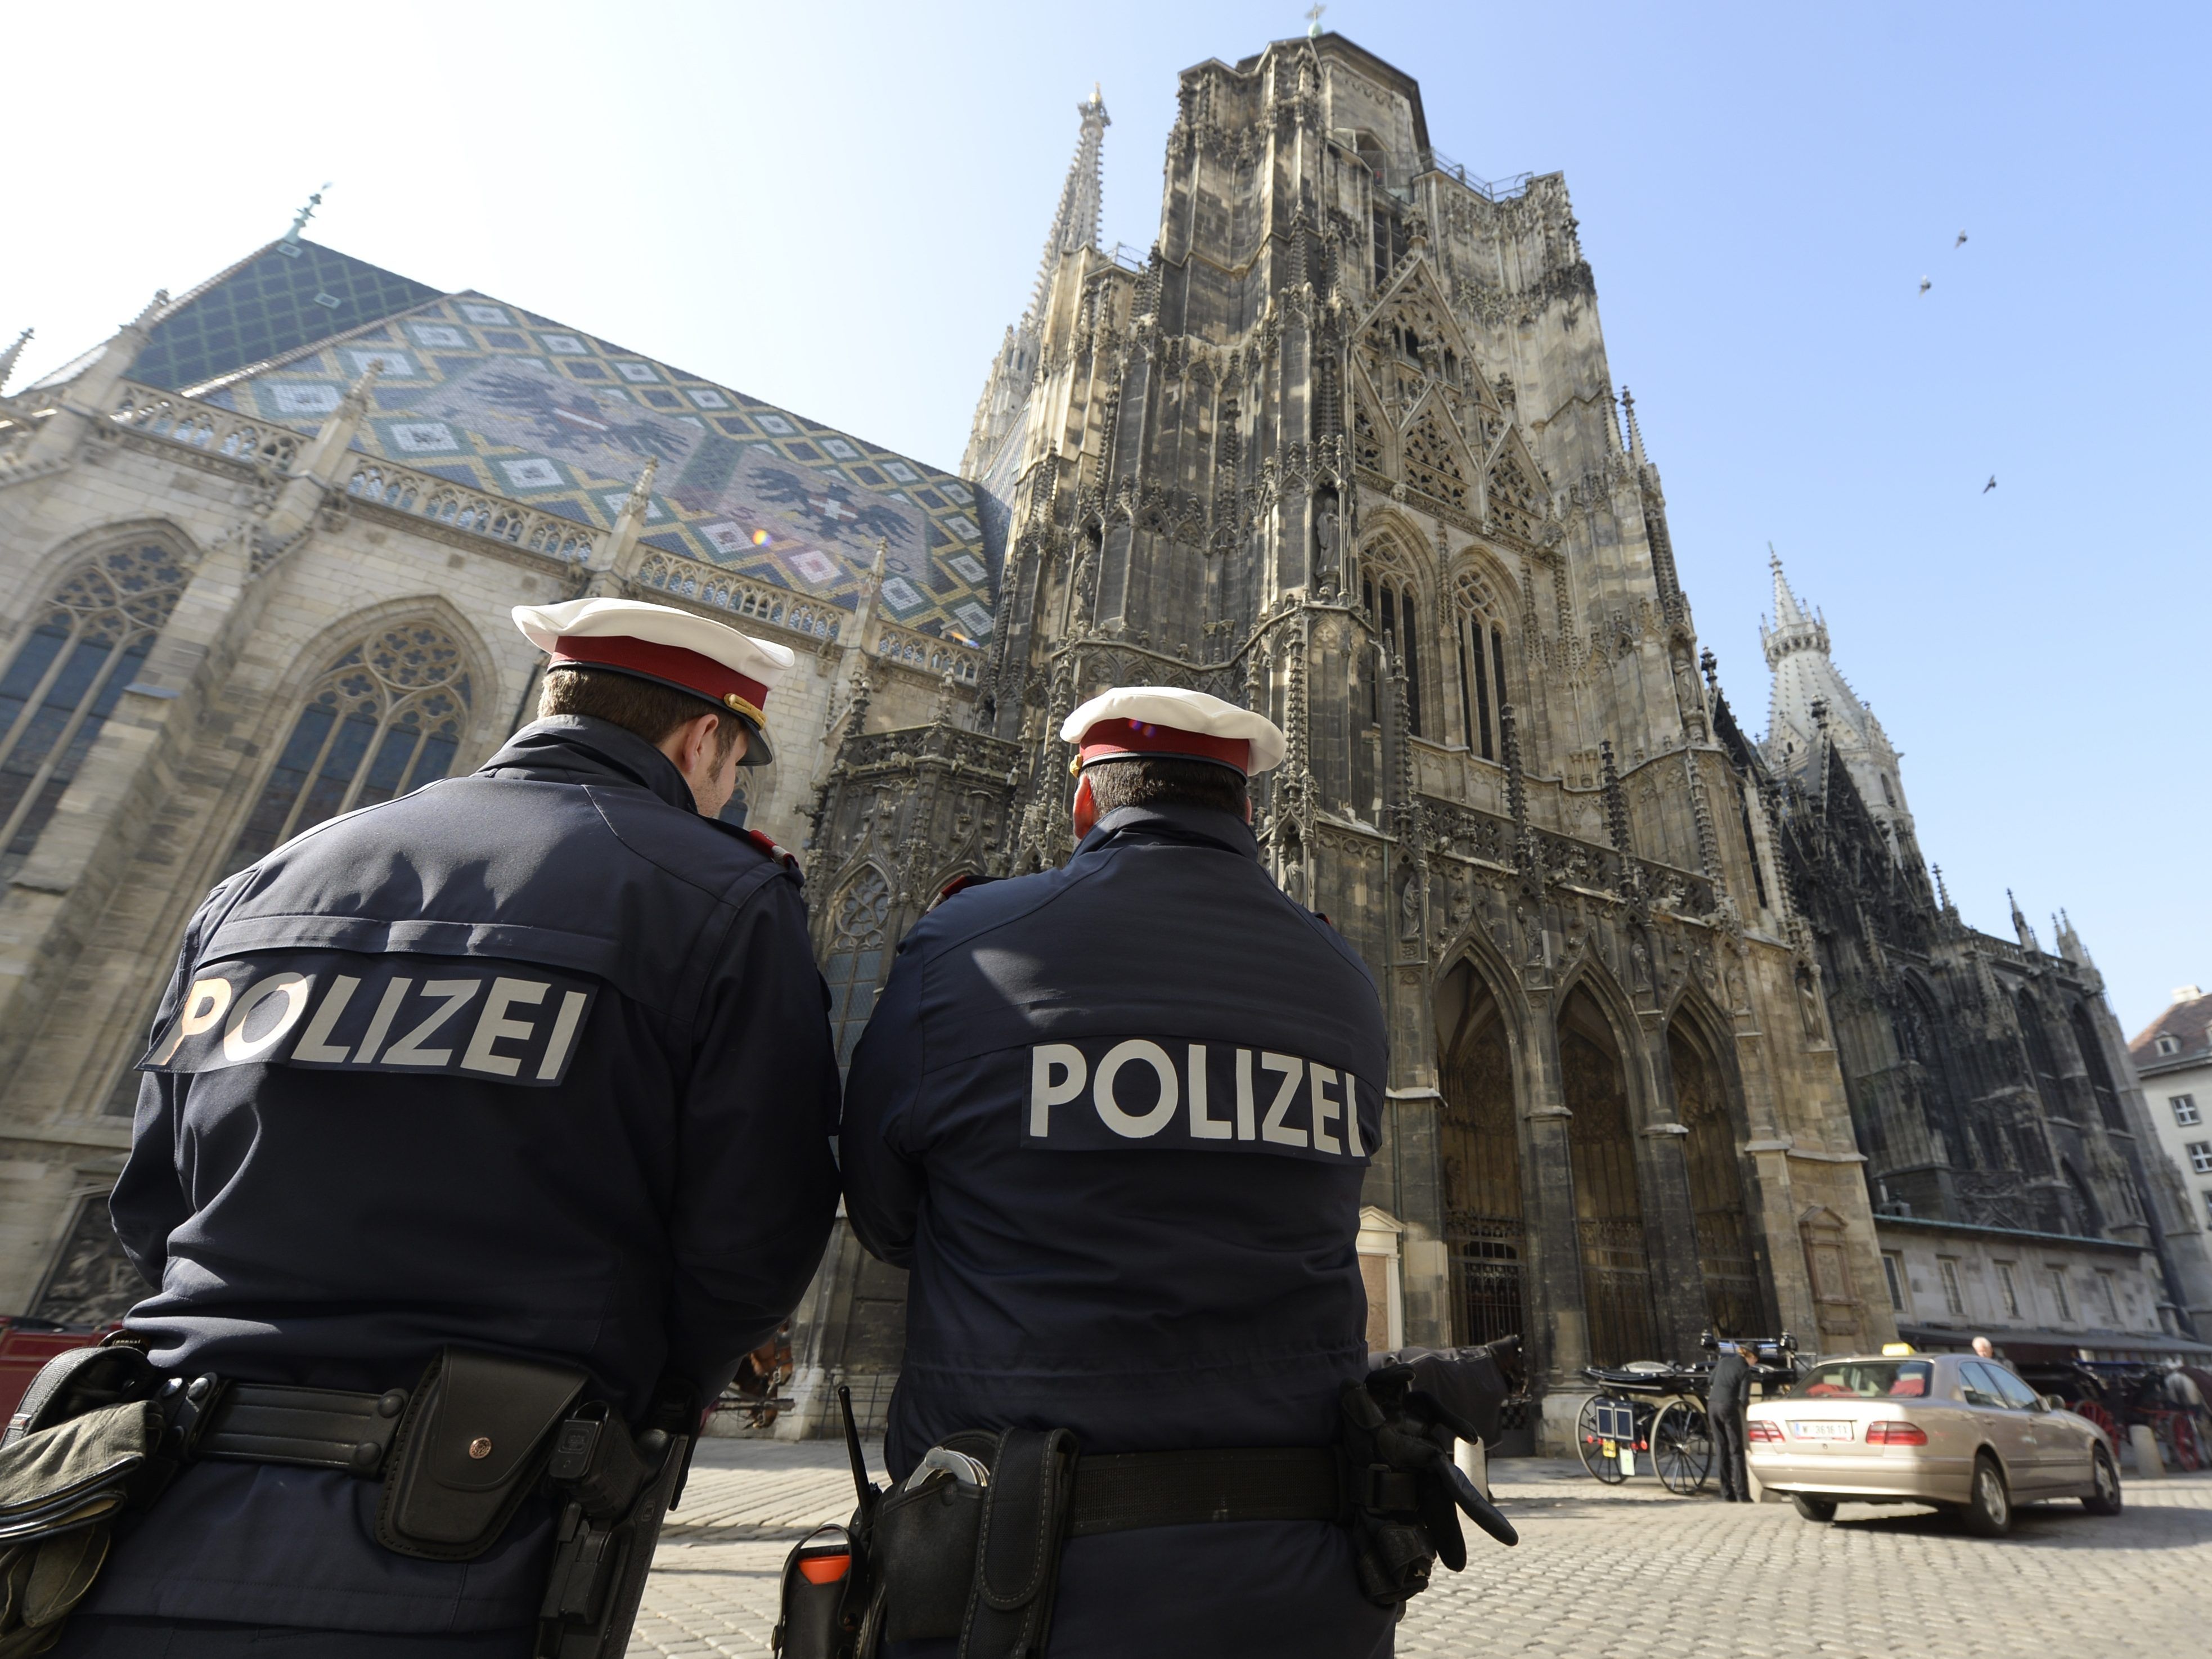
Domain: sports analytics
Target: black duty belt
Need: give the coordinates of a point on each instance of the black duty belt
(277, 1423)
(1121, 1491)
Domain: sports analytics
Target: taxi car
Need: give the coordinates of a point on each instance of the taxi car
(1960, 1432)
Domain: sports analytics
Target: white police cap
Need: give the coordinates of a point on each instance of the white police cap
(1165, 720)
(672, 648)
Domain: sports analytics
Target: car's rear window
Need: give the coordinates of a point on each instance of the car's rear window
(1867, 1379)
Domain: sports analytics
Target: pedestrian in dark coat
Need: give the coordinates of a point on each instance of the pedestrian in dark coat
(1730, 1392)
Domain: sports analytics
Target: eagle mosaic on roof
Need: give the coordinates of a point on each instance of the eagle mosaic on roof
(494, 397)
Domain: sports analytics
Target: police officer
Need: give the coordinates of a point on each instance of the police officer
(1726, 1397)
(533, 1063)
(1115, 1117)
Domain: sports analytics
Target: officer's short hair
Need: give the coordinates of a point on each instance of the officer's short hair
(645, 706)
(1163, 781)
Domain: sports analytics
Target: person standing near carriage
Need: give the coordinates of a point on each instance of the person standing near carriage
(1726, 1397)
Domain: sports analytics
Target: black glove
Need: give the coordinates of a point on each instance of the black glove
(1407, 1493)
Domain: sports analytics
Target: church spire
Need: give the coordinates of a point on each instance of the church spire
(1074, 232)
(1787, 611)
(1075, 225)
(1811, 700)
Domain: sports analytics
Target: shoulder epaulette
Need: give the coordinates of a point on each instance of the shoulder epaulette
(789, 860)
(961, 884)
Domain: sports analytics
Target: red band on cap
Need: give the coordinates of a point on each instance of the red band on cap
(691, 669)
(1111, 738)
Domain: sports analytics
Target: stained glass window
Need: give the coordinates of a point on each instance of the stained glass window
(386, 717)
(67, 676)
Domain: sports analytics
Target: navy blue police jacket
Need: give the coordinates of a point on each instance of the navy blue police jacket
(534, 1061)
(1115, 1117)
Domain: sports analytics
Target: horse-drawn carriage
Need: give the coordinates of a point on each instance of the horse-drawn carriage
(2118, 1394)
(1650, 1414)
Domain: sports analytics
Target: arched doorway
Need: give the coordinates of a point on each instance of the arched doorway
(1725, 1254)
(1608, 1207)
(1484, 1228)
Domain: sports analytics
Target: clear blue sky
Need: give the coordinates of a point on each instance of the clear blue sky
(839, 207)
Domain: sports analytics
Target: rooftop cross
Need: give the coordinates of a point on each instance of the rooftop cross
(1313, 22)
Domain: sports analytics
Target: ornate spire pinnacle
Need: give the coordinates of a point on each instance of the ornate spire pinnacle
(1634, 432)
(1075, 225)
(1787, 613)
(8, 358)
(1616, 801)
(1943, 894)
(299, 220)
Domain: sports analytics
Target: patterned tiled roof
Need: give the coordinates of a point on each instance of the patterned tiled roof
(288, 295)
(494, 397)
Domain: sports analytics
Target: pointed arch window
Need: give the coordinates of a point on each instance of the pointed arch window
(1391, 600)
(1482, 688)
(384, 718)
(85, 646)
(859, 940)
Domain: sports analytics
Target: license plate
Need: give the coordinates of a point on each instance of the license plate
(1628, 1460)
(1820, 1431)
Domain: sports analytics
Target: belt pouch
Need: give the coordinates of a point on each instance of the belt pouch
(475, 1438)
(1024, 1525)
(925, 1547)
(817, 1575)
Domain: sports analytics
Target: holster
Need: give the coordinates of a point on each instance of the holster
(980, 1565)
(477, 1432)
(604, 1548)
(1025, 1511)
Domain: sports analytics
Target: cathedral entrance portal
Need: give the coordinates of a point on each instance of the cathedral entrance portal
(1725, 1253)
(1608, 1207)
(1484, 1230)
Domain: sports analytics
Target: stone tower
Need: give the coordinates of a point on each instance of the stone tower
(1991, 1087)
(1346, 448)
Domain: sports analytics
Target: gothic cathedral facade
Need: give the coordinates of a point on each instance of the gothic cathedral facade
(1680, 1030)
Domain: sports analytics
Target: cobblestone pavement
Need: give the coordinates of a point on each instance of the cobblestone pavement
(1625, 1572)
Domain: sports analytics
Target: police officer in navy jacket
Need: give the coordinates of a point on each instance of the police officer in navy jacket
(1115, 1117)
(533, 1062)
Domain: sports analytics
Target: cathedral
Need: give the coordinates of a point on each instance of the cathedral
(1682, 1034)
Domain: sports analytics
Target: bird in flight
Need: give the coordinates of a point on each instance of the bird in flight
(1925, 285)
(1990, 485)
(1960, 243)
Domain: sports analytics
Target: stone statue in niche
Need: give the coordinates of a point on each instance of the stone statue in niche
(1294, 879)
(1409, 908)
(1328, 564)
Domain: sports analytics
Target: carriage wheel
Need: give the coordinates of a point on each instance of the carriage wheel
(1682, 1447)
(2192, 1428)
(1591, 1445)
(2181, 1438)
(2104, 1419)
